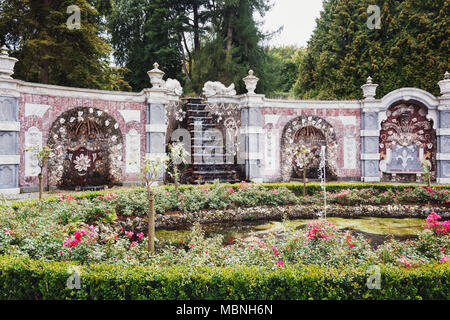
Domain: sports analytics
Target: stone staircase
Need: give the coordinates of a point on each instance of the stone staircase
(208, 150)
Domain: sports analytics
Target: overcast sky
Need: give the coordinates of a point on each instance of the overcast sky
(298, 18)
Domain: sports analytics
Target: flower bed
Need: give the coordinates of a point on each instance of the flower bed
(88, 231)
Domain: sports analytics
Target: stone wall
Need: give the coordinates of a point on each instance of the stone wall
(147, 119)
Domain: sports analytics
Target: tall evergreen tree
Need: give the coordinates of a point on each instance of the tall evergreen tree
(144, 32)
(410, 50)
(50, 52)
(233, 46)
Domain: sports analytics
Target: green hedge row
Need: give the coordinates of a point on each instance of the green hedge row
(22, 278)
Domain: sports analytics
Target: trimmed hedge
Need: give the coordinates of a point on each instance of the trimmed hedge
(23, 278)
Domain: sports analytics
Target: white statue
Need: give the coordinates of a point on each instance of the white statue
(212, 88)
(173, 86)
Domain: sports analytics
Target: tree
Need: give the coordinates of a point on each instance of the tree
(410, 50)
(426, 172)
(151, 170)
(143, 32)
(303, 158)
(41, 154)
(232, 45)
(281, 69)
(48, 51)
(178, 155)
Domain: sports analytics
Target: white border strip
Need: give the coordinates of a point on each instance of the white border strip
(251, 130)
(155, 128)
(9, 159)
(371, 179)
(370, 156)
(9, 126)
(370, 133)
(10, 191)
(443, 131)
(443, 156)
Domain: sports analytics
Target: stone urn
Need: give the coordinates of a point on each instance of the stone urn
(369, 89)
(250, 82)
(6, 64)
(445, 85)
(156, 76)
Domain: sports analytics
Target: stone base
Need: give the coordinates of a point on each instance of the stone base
(10, 191)
(370, 179)
(443, 180)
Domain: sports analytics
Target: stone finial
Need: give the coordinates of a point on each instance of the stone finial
(369, 89)
(4, 50)
(445, 85)
(156, 76)
(250, 82)
(6, 63)
(446, 75)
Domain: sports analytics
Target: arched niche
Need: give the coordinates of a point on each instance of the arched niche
(86, 149)
(407, 138)
(310, 130)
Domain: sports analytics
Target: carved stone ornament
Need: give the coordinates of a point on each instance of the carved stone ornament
(212, 88)
(290, 143)
(86, 148)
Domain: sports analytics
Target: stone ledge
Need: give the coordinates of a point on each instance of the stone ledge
(443, 180)
(442, 156)
(370, 179)
(10, 191)
(443, 131)
(9, 159)
(251, 130)
(156, 128)
(9, 126)
(370, 133)
(370, 156)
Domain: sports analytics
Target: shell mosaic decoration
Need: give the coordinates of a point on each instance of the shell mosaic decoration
(87, 149)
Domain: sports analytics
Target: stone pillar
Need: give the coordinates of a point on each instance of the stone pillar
(9, 126)
(156, 127)
(250, 148)
(443, 132)
(370, 132)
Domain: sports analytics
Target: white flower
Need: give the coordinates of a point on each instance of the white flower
(91, 110)
(99, 113)
(107, 123)
(62, 120)
(82, 162)
(80, 113)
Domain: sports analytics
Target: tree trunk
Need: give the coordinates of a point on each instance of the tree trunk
(304, 182)
(175, 177)
(196, 28)
(229, 32)
(40, 186)
(151, 219)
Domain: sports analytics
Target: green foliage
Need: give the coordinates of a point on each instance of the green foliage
(22, 278)
(281, 69)
(231, 47)
(142, 33)
(50, 52)
(410, 50)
